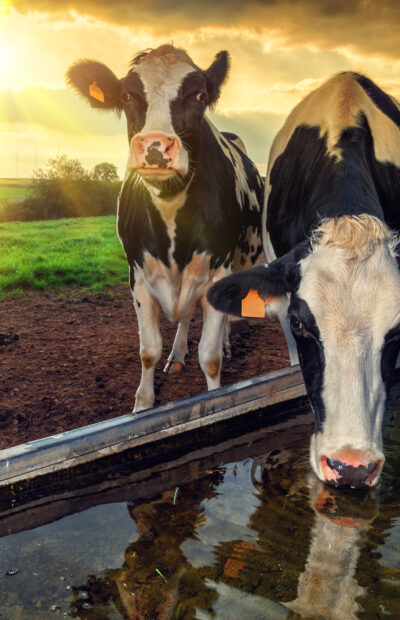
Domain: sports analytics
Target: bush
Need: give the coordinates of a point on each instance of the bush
(66, 189)
(105, 172)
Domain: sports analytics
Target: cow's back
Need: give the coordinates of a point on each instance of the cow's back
(338, 153)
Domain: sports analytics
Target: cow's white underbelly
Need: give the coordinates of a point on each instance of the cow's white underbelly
(177, 292)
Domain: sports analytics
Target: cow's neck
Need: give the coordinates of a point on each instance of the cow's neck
(169, 206)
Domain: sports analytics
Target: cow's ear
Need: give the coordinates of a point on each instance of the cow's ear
(260, 289)
(216, 75)
(247, 293)
(97, 83)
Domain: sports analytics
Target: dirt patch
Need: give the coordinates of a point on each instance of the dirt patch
(77, 361)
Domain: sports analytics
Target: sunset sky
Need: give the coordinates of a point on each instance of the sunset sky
(280, 50)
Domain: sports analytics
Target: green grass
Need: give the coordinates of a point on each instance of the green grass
(55, 254)
(12, 189)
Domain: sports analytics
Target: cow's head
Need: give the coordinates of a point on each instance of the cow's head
(344, 312)
(164, 96)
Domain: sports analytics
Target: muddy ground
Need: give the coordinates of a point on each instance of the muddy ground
(76, 360)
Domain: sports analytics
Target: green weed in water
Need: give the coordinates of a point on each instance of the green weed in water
(161, 575)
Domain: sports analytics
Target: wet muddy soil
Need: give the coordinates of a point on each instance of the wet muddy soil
(76, 360)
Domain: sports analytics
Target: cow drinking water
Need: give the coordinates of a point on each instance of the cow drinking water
(189, 210)
(331, 216)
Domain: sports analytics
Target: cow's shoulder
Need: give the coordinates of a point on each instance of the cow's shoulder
(249, 186)
(223, 202)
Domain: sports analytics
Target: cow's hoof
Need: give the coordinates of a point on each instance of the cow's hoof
(173, 367)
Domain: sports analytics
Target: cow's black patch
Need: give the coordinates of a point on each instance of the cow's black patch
(140, 225)
(380, 98)
(230, 136)
(212, 219)
(311, 356)
(389, 353)
(134, 103)
(187, 112)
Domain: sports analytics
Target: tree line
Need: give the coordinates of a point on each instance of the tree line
(66, 189)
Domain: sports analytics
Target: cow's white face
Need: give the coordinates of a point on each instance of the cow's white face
(352, 294)
(156, 150)
(344, 313)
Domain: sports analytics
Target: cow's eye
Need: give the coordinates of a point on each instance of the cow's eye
(201, 97)
(127, 97)
(296, 325)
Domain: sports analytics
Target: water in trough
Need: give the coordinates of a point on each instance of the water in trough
(242, 530)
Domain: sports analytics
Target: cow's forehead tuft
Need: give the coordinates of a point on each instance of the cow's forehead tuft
(165, 54)
(351, 293)
(358, 236)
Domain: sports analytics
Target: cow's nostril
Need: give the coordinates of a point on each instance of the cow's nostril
(355, 475)
(335, 464)
(171, 145)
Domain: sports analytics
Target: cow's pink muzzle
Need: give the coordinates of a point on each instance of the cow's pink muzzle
(350, 468)
(155, 152)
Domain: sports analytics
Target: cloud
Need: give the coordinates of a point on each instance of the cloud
(360, 25)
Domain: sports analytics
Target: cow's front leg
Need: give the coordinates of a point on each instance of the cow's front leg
(211, 342)
(147, 311)
(227, 344)
(176, 359)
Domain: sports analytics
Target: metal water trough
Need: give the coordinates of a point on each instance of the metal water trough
(130, 484)
(90, 443)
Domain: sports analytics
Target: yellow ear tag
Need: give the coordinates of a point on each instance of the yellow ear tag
(253, 305)
(96, 92)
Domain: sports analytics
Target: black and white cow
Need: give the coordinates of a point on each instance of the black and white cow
(190, 206)
(331, 216)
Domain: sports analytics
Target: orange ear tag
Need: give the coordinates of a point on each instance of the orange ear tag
(253, 305)
(96, 92)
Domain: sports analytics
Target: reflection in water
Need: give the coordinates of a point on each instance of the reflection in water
(302, 561)
(252, 539)
(156, 581)
(327, 587)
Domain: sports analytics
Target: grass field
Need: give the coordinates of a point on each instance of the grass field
(12, 189)
(55, 254)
